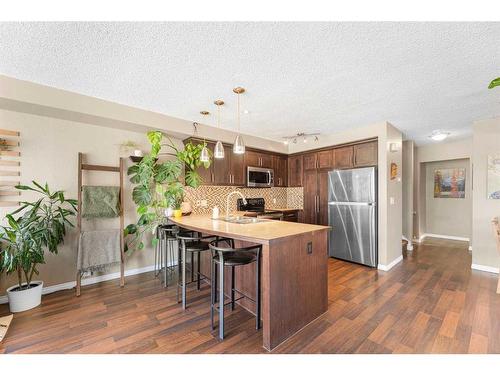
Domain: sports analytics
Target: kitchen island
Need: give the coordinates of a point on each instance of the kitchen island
(294, 270)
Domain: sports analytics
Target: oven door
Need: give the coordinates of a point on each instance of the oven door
(260, 177)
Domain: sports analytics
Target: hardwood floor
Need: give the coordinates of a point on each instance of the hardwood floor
(432, 302)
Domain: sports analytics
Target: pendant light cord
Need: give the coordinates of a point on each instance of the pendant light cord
(239, 113)
(218, 117)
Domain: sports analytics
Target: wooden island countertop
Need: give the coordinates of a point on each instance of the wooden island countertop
(294, 265)
(262, 232)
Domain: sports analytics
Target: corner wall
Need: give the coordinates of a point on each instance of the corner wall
(486, 141)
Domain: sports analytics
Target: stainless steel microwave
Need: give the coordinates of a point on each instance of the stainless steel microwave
(260, 177)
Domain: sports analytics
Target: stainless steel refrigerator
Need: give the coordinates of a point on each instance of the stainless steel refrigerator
(352, 214)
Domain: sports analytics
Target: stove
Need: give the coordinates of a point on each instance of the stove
(256, 207)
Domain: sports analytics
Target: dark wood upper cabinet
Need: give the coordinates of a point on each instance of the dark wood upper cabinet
(266, 160)
(280, 170)
(222, 168)
(252, 159)
(295, 171)
(258, 159)
(237, 168)
(310, 161)
(325, 159)
(366, 154)
(343, 157)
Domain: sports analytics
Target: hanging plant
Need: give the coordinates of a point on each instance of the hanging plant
(160, 185)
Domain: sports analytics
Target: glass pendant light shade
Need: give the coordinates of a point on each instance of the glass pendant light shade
(239, 146)
(219, 150)
(204, 157)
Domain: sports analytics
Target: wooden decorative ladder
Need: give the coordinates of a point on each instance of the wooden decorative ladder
(82, 166)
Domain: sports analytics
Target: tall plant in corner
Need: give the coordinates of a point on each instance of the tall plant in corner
(160, 185)
(33, 228)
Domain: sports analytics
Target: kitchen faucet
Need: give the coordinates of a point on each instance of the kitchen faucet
(229, 196)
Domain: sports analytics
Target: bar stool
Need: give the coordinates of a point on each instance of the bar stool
(190, 242)
(167, 238)
(233, 257)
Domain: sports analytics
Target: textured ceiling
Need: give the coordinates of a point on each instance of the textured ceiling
(300, 77)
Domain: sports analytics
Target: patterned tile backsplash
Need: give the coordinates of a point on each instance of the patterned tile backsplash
(277, 197)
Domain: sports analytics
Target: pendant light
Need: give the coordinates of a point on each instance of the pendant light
(204, 156)
(219, 147)
(239, 145)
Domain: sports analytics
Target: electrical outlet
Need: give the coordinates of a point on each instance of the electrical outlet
(309, 248)
(274, 200)
(203, 203)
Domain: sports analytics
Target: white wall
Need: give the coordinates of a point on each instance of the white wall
(49, 149)
(448, 216)
(439, 151)
(486, 141)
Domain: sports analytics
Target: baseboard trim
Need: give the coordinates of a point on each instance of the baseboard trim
(384, 267)
(443, 236)
(480, 267)
(88, 281)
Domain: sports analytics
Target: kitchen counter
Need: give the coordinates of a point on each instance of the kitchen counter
(294, 277)
(262, 232)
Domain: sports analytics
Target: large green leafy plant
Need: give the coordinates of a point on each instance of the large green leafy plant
(31, 229)
(494, 83)
(160, 185)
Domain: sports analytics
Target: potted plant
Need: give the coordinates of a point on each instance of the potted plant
(159, 186)
(32, 228)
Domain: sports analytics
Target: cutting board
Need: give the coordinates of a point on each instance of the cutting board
(4, 325)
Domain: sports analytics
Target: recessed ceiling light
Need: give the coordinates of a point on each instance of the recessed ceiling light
(246, 111)
(439, 135)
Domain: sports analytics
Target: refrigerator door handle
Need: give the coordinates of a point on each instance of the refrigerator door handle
(352, 203)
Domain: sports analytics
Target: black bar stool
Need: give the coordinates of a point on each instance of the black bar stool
(233, 257)
(190, 242)
(165, 250)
